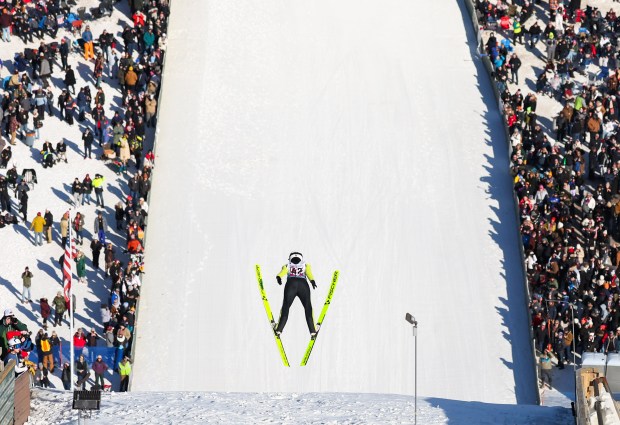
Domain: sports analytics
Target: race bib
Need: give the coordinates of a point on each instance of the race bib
(297, 270)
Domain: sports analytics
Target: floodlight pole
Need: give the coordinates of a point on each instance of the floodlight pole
(411, 319)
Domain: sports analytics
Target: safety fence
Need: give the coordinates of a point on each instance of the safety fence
(112, 356)
(469, 4)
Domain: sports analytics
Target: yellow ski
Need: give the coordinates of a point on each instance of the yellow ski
(270, 316)
(328, 301)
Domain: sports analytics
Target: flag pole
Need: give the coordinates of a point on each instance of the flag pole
(72, 354)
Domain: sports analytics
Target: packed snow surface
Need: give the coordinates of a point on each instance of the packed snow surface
(365, 135)
(52, 407)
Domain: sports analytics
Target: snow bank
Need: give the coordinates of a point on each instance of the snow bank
(52, 407)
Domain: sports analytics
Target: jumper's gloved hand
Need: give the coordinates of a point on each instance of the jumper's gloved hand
(313, 284)
(279, 279)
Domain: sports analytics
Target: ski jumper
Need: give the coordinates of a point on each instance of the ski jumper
(297, 276)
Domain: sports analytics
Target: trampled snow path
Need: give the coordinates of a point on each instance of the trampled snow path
(53, 407)
(364, 135)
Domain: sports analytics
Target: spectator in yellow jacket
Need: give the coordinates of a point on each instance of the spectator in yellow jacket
(38, 223)
(124, 369)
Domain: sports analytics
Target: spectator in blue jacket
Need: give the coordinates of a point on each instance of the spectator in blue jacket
(89, 51)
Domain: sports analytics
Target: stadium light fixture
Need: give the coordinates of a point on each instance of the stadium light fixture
(414, 323)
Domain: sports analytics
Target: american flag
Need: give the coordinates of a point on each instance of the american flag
(70, 253)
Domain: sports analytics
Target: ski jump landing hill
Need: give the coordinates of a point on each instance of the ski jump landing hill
(364, 135)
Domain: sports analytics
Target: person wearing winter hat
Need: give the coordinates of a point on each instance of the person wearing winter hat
(66, 376)
(109, 337)
(98, 185)
(9, 323)
(46, 310)
(38, 225)
(124, 369)
(17, 355)
(99, 367)
(60, 307)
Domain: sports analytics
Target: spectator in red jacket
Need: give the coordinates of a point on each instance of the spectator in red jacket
(5, 23)
(133, 245)
(79, 339)
(46, 310)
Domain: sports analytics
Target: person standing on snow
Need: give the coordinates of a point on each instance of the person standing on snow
(27, 283)
(37, 225)
(297, 272)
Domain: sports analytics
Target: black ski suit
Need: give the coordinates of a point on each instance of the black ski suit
(296, 287)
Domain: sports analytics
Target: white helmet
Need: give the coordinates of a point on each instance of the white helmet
(295, 257)
(14, 342)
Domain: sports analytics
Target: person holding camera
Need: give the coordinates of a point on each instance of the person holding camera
(9, 323)
(546, 367)
(27, 283)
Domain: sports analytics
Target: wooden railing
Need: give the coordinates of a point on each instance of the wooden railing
(7, 393)
(14, 396)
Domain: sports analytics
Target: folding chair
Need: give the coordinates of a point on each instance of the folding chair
(108, 154)
(76, 27)
(29, 176)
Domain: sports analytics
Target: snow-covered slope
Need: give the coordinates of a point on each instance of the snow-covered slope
(362, 134)
(53, 407)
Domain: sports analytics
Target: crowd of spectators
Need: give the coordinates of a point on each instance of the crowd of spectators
(566, 178)
(130, 61)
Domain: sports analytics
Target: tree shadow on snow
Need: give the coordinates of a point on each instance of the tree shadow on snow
(504, 233)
